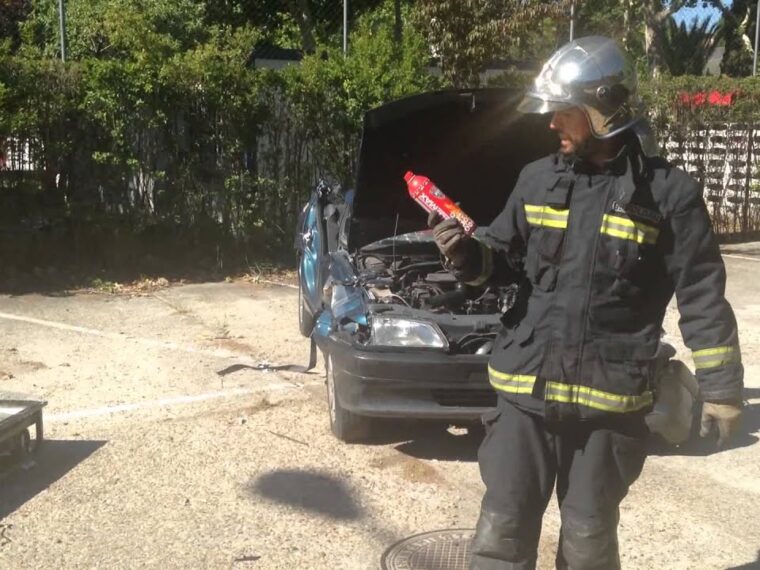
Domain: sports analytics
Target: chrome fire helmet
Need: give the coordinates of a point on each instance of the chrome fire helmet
(594, 74)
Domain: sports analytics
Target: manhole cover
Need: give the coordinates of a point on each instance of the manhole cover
(437, 550)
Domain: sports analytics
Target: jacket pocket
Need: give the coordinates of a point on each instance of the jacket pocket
(623, 262)
(625, 368)
(543, 258)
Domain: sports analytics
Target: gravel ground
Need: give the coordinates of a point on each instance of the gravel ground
(154, 460)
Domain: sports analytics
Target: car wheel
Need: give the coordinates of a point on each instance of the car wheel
(305, 318)
(345, 425)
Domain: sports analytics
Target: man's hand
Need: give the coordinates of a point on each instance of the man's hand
(721, 416)
(450, 238)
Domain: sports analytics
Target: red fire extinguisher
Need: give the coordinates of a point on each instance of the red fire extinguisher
(429, 196)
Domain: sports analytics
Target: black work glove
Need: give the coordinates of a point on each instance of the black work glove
(450, 238)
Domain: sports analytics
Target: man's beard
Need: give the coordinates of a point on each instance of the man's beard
(583, 149)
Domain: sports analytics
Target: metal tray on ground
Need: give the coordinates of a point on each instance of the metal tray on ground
(18, 413)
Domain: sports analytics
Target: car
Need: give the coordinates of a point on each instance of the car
(401, 338)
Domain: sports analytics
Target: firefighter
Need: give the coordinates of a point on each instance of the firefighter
(600, 236)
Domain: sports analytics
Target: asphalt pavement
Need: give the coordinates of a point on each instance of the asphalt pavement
(155, 460)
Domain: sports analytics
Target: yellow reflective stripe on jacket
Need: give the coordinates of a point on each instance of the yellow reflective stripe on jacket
(570, 393)
(625, 228)
(717, 356)
(512, 383)
(486, 255)
(592, 398)
(546, 216)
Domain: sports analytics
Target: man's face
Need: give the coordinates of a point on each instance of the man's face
(573, 129)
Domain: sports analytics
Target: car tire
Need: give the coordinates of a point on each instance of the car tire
(345, 425)
(305, 318)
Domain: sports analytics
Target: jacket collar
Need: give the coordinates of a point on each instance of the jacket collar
(629, 167)
(628, 160)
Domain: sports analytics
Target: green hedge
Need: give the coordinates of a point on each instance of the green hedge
(184, 138)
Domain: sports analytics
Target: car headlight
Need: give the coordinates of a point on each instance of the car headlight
(395, 331)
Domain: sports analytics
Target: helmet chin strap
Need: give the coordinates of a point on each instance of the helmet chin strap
(592, 150)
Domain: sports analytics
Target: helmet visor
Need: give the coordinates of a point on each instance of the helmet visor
(532, 104)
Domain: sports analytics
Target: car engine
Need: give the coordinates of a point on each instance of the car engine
(425, 284)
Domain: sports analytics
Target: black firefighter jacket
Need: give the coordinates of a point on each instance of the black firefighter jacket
(600, 255)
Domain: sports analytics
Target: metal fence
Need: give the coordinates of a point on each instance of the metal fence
(725, 158)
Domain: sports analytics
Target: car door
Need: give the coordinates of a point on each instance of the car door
(311, 246)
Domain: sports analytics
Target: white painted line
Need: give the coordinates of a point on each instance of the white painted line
(744, 257)
(162, 403)
(152, 343)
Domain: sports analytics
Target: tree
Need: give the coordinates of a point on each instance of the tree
(738, 31)
(657, 13)
(622, 20)
(467, 34)
(330, 93)
(300, 24)
(12, 12)
(687, 48)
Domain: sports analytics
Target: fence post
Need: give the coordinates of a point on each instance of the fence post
(748, 180)
(572, 20)
(345, 27)
(62, 23)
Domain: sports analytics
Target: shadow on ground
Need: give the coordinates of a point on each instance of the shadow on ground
(441, 444)
(313, 491)
(749, 565)
(322, 494)
(428, 439)
(54, 460)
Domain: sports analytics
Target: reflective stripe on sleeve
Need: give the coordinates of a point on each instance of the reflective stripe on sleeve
(546, 216)
(570, 393)
(512, 383)
(717, 356)
(486, 256)
(625, 228)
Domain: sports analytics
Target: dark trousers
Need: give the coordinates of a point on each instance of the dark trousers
(520, 459)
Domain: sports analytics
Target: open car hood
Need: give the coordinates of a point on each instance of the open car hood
(471, 143)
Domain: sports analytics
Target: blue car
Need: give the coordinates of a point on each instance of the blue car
(401, 337)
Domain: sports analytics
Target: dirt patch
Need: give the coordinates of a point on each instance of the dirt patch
(237, 415)
(12, 365)
(409, 468)
(270, 275)
(233, 345)
(262, 405)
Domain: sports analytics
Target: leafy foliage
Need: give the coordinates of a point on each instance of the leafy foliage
(160, 125)
(687, 48)
(622, 20)
(737, 27)
(467, 35)
(330, 93)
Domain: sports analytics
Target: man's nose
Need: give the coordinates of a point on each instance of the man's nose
(554, 124)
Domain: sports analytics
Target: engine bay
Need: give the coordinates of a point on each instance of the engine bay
(426, 285)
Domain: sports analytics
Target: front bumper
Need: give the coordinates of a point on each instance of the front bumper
(411, 384)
